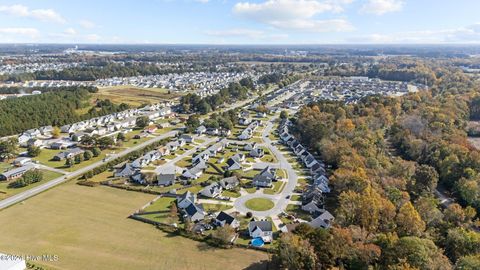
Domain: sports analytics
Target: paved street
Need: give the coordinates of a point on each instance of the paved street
(280, 199)
(188, 153)
(38, 189)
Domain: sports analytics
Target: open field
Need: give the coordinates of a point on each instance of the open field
(88, 228)
(135, 96)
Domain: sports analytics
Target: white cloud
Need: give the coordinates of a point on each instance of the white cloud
(18, 31)
(87, 24)
(70, 31)
(297, 15)
(40, 14)
(380, 7)
(202, 1)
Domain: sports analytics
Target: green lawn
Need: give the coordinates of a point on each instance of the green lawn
(6, 192)
(250, 173)
(231, 194)
(184, 162)
(281, 173)
(4, 166)
(297, 211)
(296, 198)
(276, 188)
(46, 156)
(211, 207)
(162, 204)
(259, 204)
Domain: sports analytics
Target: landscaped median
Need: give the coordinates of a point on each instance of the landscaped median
(259, 204)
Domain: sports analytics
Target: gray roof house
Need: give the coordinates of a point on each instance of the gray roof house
(166, 176)
(16, 172)
(194, 212)
(262, 228)
(126, 170)
(229, 182)
(225, 219)
(186, 199)
(211, 191)
(324, 220)
(68, 154)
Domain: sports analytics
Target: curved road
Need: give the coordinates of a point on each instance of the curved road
(280, 199)
(38, 189)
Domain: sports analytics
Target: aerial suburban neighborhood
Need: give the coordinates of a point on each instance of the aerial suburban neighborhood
(266, 134)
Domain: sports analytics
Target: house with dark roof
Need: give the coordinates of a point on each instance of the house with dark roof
(235, 162)
(187, 138)
(261, 181)
(223, 219)
(186, 199)
(194, 212)
(312, 205)
(262, 229)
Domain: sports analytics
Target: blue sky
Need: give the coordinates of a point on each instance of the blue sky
(240, 22)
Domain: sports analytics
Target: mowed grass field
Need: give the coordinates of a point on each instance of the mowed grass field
(88, 228)
(135, 96)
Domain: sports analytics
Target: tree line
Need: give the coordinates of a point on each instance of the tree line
(388, 156)
(54, 108)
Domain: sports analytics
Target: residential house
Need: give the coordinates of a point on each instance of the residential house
(223, 219)
(229, 182)
(186, 199)
(195, 171)
(166, 176)
(250, 146)
(150, 129)
(244, 121)
(21, 161)
(261, 229)
(35, 142)
(194, 212)
(187, 138)
(68, 154)
(212, 131)
(200, 130)
(16, 172)
(324, 220)
(212, 191)
(126, 170)
(256, 152)
(235, 162)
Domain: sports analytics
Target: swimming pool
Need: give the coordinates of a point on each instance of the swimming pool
(257, 242)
